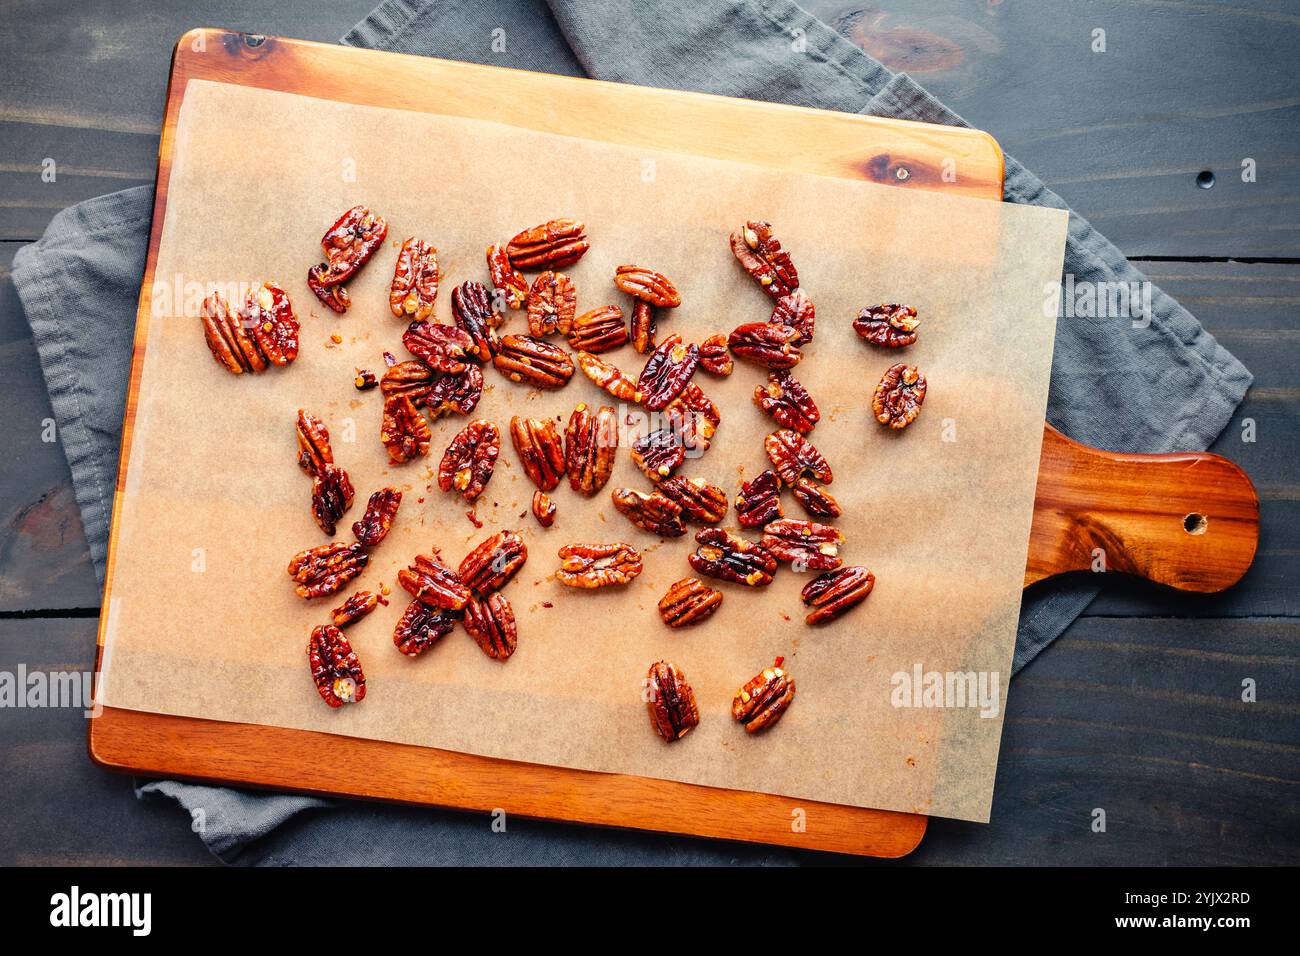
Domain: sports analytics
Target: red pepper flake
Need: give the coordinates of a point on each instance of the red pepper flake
(473, 519)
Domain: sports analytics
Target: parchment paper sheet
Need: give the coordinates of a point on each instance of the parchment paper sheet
(203, 620)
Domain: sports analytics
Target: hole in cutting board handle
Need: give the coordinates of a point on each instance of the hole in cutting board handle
(1196, 523)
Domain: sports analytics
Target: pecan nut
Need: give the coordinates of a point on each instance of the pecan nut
(891, 325)
(331, 496)
(378, 519)
(661, 452)
(608, 377)
(444, 348)
(760, 254)
(541, 451)
(792, 455)
(764, 698)
(512, 286)
(552, 304)
(523, 358)
(770, 345)
(412, 379)
(229, 340)
(796, 311)
(350, 243)
(493, 563)
(759, 500)
(786, 400)
(420, 627)
(693, 413)
(471, 309)
(415, 280)
(816, 500)
(314, 451)
(898, 397)
(666, 372)
(268, 317)
(656, 513)
(491, 622)
(333, 297)
(648, 286)
(699, 500)
(590, 445)
(670, 701)
(643, 324)
(430, 581)
(552, 245)
(543, 509)
(405, 432)
(832, 594)
(807, 545)
(726, 557)
(355, 608)
(688, 601)
(599, 330)
(470, 459)
(325, 569)
(455, 393)
(597, 565)
(715, 358)
(335, 669)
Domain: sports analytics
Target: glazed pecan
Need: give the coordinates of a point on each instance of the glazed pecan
(659, 453)
(491, 622)
(471, 309)
(599, 330)
(522, 358)
(540, 449)
(816, 500)
(654, 512)
(643, 326)
(724, 556)
(700, 500)
(552, 304)
(334, 667)
(759, 500)
(430, 581)
(420, 627)
(325, 569)
(768, 344)
(898, 397)
(835, 592)
(670, 701)
(590, 444)
(333, 297)
(714, 356)
(444, 348)
(688, 601)
(761, 255)
(597, 565)
(350, 243)
(543, 509)
(648, 286)
(378, 519)
(793, 455)
(693, 413)
(666, 372)
(494, 562)
(412, 379)
(807, 545)
(786, 400)
(268, 317)
(331, 496)
(229, 341)
(796, 311)
(608, 377)
(405, 432)
(891, 325)
(470, 458)
(764, 698)
(552, 245)
(415, 280)
(355, 608)
(455, 393)
(314, 451)
(512, 286)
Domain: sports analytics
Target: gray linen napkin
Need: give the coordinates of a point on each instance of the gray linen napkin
(1160, 386)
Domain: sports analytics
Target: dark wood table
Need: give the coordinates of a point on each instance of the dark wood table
(1136, 710)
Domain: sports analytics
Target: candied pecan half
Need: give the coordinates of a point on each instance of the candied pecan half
(405, 432)
(415, 280)
(590, 444)
(599, 330)
(491, 622)
(700, 500)
(835, 592)
(643, 324)
(331, 496)
(522, 358)
(470, 458)
(793, 455)
(666, 372)
(694, 414)
(420, 627)
(654, 512)
(670, 701)
(597, 565)
(455, 393)
(761, 255)
(805, 544)
(724, 556)
(541, 451)
(314, 451)
(796, 311)
(334, 667)
(444, 348)
(759, 500)
(608, 377)
(412, 379)
(552, 304)
(688, 601)
(325, 569)
(378, 519)
(351, 241)
(816, 500)
(505, 279)
(552, 245)
(764, 698)
(230, 343)
(494, 562)
(786, 400)
(891, 325)
(648, 286)
(471, 309)
(715, 357)
(355, 608)
(768, 344)
(543, 509)
(431, 581)
(659, 453)
(268, 317)
(898, 397)
(333, 297)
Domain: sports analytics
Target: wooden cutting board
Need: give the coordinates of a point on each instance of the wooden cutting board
(1188, 520)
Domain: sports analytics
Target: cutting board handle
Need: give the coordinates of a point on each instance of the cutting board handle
(1189, 520)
